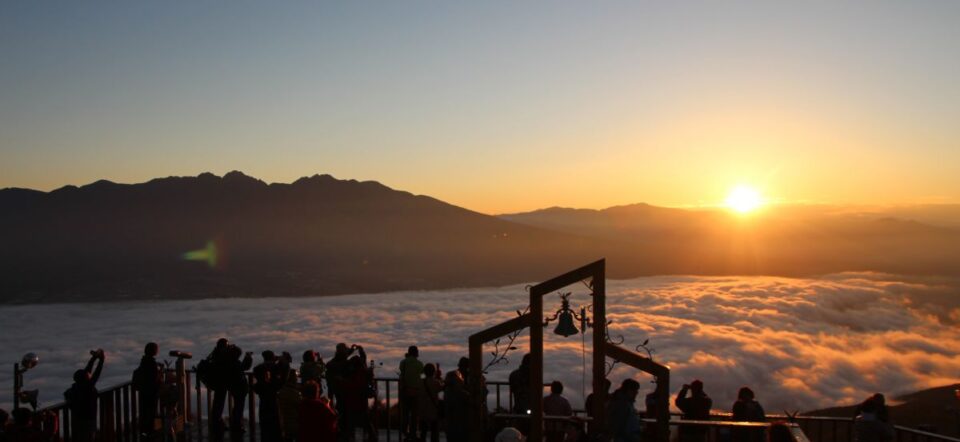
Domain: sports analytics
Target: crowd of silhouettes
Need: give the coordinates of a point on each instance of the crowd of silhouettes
(29, 426)
(292, 405)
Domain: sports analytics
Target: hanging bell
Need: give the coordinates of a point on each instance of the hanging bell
(565, 325)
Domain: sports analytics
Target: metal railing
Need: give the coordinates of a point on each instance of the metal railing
(118, 416)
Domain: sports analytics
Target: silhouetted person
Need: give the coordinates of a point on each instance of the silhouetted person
(25, 427)
(356, 387)
(336, 373)
(588, 404)
(879, 402)
(654, 409)
(429, 403)
(456, 401)
(868, 425)
(81, 398)
(269, 377)
(147, 379)
(555, 404)
(317, 420)
(520, 386)
(289, 399)
(623, 418)
(229, 377)
(410, 371)
(312, 369)
(746, 409)
(4, 417)
(216, 380)
(695, 407)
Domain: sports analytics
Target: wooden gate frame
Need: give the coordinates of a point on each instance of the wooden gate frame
(596, 271)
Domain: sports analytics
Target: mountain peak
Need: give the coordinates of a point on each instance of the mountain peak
(315, 178)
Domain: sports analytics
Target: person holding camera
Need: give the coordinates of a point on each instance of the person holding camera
(312, 368)
(269, 378)
(695, 407)
(337, 371)
(81, 399)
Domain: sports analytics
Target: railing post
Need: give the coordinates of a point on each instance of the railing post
(389, 428)
(199, 409)
(135, 413)
(66, 424)
(128, 426)
(117, 415)
(107, 428)
(189, 403)
(253, 410)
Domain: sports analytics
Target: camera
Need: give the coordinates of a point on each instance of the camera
(180, 354)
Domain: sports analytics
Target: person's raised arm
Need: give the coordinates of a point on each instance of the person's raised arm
(96, 372)
(93, 360)
(681, 399)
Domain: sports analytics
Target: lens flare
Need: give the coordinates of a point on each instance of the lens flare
(208, 254)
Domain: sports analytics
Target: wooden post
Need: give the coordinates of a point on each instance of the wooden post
(599, 340)
(536, 363)
(473, 384)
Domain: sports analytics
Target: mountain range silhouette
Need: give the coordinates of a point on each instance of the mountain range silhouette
(320, 236)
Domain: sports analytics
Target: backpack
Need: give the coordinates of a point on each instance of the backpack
(139, 379)
(205, 372)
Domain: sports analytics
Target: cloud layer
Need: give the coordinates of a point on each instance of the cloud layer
(799, 343)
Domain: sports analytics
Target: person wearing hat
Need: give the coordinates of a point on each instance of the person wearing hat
(696, 407)
(411, 370)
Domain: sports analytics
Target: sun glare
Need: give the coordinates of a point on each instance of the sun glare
(743, 199)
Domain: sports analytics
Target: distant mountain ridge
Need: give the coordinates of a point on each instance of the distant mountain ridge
(934, 409)
(320, 235)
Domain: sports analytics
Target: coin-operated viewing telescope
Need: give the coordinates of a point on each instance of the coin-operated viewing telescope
(27, 362)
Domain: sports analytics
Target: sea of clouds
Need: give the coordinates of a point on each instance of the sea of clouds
(800, 344)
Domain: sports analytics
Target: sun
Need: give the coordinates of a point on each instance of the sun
(744, 199)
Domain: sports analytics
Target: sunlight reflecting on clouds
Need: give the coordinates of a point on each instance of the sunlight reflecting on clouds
(799, 343)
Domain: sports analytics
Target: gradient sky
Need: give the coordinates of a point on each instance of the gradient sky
(495, 106)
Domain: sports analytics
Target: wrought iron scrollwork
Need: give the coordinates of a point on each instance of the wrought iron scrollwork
(501, 349)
